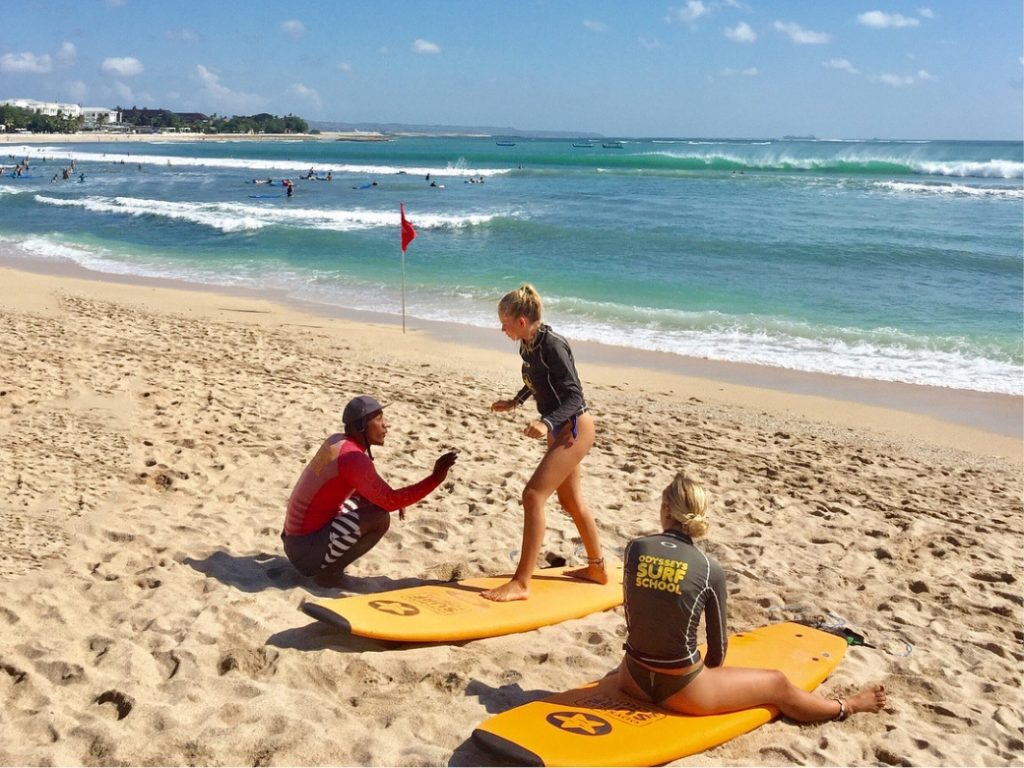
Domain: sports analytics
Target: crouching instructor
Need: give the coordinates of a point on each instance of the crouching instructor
(340, 507)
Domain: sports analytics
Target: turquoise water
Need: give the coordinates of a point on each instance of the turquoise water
(899, 261)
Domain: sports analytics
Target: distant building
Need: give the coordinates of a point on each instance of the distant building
(51, 108)
(93, 116)
(99, 116)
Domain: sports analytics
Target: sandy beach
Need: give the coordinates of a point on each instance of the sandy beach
(100, 137)
(150, 436)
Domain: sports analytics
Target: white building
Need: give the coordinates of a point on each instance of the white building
(55, 108)
(51, 108)
(100, 116)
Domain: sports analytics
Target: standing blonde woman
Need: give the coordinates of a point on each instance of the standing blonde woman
(668, 585)
(549, 375)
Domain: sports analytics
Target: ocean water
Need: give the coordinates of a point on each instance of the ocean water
(892, 260)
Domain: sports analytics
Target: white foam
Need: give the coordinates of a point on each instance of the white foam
(859, 359)
(240, 217)
(992, 169)
(259, 167)
(959, 190)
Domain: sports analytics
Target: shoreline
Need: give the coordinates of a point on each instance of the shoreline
(120, 138)
(982, 422)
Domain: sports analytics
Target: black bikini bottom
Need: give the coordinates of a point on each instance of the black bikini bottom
(658, 685)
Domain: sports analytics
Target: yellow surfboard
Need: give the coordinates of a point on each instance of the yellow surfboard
(454, 611)
(599, 725)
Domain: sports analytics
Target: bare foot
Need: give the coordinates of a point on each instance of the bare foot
(506, 593)
(869, 700)
(591, 572)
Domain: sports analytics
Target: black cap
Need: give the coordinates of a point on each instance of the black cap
(358, 410)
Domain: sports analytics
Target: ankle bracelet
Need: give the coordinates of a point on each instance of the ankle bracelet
(843, 713)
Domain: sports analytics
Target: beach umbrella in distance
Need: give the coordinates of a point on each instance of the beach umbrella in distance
(408, 235)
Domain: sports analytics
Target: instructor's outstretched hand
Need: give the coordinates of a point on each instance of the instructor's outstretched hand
(444, 463)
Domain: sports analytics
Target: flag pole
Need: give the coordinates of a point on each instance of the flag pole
(408, 235)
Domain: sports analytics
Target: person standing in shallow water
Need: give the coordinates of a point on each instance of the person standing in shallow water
(662, 663)
(549, 375)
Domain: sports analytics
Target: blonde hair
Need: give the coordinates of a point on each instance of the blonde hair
(524, 301)
(687, 504)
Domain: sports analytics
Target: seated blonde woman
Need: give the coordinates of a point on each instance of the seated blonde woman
(669, 586)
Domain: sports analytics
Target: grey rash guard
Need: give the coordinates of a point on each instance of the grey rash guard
(667, 585)
(549, 374)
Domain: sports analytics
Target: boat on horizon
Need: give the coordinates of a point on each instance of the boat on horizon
(505, 143)
(612, 144)
(587, 145)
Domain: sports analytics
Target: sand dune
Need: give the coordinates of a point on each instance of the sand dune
(149, 441)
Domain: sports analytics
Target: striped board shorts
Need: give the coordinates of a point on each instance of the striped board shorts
(322, 548)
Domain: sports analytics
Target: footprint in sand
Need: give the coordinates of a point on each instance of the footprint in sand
(120, 703)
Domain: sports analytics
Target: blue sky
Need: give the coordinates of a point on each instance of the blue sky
(723, 68)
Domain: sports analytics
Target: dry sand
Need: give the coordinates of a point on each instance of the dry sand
(149, 438)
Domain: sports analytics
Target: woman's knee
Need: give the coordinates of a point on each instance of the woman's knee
(374, 521)
(777, 684)
(533, 496)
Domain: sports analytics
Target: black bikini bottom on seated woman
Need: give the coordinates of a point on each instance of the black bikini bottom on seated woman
(658, 685)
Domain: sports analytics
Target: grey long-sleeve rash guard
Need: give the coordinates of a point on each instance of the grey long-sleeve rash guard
(667, 586)
(549, 374)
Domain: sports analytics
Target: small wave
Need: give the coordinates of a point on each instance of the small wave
(957, 190)
(241, 217)
(841, 163)
(290, 167)
(991, 169)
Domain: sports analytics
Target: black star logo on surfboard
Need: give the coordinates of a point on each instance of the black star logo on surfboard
(580, 722)
(394, 607)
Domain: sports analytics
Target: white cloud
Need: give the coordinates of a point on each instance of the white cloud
(689, 13)
(344, 66)
(126, 66)
(425, 46)
(67, 55)
(294, 28)
(77, 90)
(595, 26)
(904, 81)
(842, 64)
(800, 35)
(183, 35)
(649, 44)
(221, 97)
(748, 72)
(741, 33)
(123, 92)
(26, 63)
(883, 20)
(307, 93)
(926, 13)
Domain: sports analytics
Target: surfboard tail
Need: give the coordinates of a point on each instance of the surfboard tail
(508, 750)
(326, 615)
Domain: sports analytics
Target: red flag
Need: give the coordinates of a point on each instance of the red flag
(408, 233)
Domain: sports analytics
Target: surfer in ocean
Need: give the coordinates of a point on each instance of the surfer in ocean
(668, 584)
(549, 375)
(340, 507)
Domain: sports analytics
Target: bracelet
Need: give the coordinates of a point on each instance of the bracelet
(843, 714)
